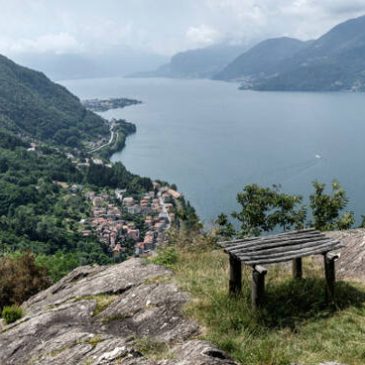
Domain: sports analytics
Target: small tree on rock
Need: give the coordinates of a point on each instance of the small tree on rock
(265, 209)
(326, 208)
(225, 228)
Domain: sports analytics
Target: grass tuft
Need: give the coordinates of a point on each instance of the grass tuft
(103, 301)
(12, 313)
(153, 349)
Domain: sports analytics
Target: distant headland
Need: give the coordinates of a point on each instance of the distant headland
(102, 105)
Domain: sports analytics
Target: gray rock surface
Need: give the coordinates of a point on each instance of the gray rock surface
(108, 315)
(351, 264)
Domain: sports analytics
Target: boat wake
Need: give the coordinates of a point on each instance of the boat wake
(292, 171)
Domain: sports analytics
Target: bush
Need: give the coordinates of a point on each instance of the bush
(12, 313)
(20, 278)
(167, 257)
(58, 265)
(327, 208)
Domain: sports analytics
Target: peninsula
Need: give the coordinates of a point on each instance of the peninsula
(103, 105)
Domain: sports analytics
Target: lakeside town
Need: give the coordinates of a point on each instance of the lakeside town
(102, 105)
(128, 225)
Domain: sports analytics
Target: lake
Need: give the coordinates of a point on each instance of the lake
(211, 139)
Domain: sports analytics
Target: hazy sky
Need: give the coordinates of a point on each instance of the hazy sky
(160, 26)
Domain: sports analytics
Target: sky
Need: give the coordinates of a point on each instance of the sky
(160, 26)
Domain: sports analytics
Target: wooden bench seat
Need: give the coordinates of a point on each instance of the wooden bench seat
(288, 246)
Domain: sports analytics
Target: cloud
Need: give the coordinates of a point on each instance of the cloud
(347, 8)
(49, 43)
(161, 26)
(202, 35)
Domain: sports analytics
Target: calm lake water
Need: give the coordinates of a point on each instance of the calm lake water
(211, 139)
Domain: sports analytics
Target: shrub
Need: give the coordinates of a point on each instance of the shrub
(12, 313)
(20, 278)
(59, 264)
(327, 208)
(167, 256)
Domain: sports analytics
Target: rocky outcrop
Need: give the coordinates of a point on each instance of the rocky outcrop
(351, 265)
(129, 313)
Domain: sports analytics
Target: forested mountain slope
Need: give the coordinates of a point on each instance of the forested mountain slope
(334, 62)
(32, 104)
(261, 59)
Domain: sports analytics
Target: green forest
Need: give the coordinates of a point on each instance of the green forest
(34, 106)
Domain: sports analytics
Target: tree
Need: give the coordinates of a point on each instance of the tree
(264, 209)
(59, 264)
(225, 227)
(326, 208)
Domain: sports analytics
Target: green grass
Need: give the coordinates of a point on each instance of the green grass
(152, 349)
(102, 301)
(295, 326)
(92, 341)
(166, 257)
(12, 313)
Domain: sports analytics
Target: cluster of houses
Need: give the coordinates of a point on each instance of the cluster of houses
(114, 220)
(102, 105)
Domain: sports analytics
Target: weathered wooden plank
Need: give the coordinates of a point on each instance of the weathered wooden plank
(272, 239)
(325, 245)
(280, 245)
(227, 244)
(297, 268)
(235, 275)
(285, 249)
(288, 257)
(298, 252)
(277, 240)
(248, 239)
(258, 286)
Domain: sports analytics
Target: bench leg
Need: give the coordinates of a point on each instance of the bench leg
(297, 268)
(330, 273)
(235, 276)
(258, 286)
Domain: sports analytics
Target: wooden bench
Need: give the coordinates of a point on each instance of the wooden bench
(289, 246)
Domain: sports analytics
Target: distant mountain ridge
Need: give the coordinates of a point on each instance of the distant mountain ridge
(333, 62)
(111, 63)
(196, 63)
(262, 59)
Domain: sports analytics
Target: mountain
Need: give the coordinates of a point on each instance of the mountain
(334, 62)
(262, 59)
(111, 63)
(32, 104)
(197, 63)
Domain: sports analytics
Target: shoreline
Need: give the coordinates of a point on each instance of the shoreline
(120, 130)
